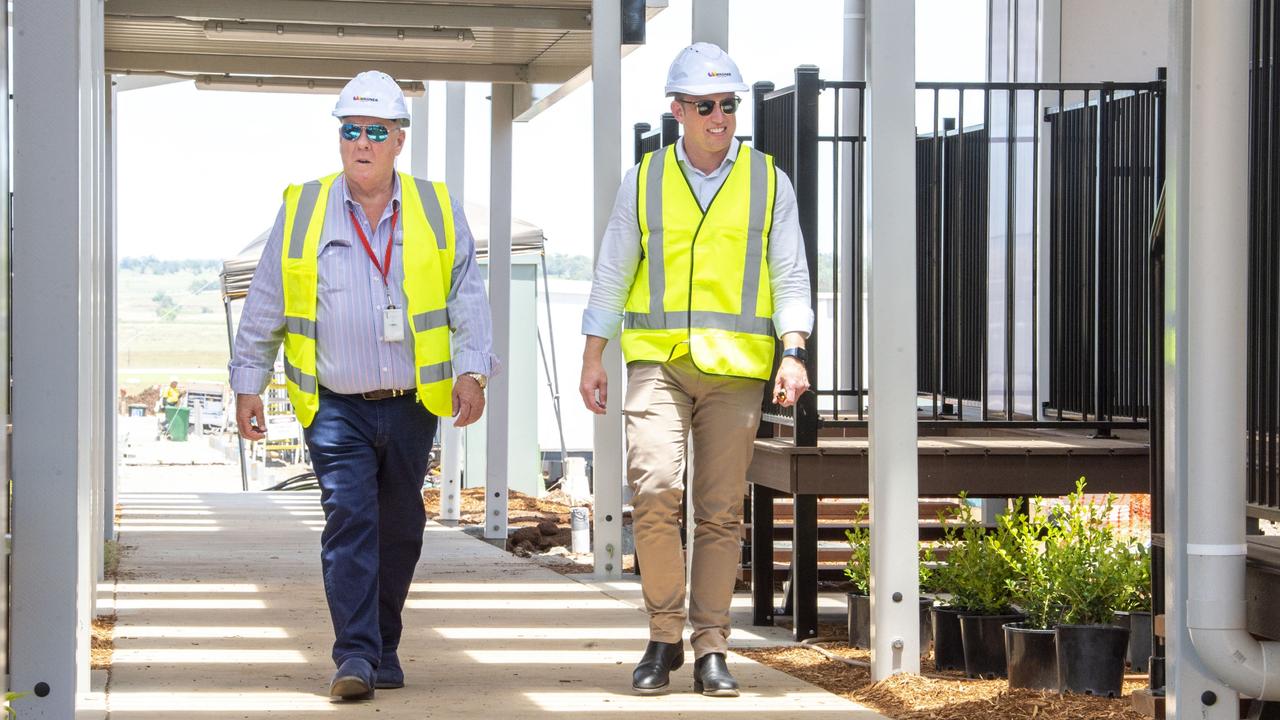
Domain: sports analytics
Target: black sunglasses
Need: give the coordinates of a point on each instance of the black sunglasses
(376, 133)
(728, 105)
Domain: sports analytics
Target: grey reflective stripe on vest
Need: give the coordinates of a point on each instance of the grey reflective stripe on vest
(700, 319)
(302, 218)
(306, 383)
(428, 374)
(423, 322)
(431, 206)
(755, 233)
(653, 217)
(746, 322)
(300, 326)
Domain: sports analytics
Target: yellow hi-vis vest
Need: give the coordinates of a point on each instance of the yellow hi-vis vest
(427, 257)
(704, 277)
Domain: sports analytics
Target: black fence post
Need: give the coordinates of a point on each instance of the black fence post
(641, 129)
(670, 129)
(805, 178)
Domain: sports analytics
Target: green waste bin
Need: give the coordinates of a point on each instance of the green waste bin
(176, 419)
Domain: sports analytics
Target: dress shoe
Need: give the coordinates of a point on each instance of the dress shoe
(353, 680)
(711, 677)
(653, 674)
(390, 674)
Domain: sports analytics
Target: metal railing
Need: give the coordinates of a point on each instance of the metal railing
(1263, 412)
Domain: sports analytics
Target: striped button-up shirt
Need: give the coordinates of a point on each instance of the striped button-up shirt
(351, 356)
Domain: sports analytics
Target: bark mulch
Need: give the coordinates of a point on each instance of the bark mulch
(938, 695)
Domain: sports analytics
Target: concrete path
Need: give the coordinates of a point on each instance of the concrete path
(221, 612)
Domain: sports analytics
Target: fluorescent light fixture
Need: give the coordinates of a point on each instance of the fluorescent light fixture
(407, 37)
(321, 86)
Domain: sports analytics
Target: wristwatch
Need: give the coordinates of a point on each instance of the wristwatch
(798, 353)
(480, 379)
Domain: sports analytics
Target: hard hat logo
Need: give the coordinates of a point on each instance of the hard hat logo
(704, 69)
(373, 94)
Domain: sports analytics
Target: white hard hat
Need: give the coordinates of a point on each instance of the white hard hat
(704, 69)
(373, 94)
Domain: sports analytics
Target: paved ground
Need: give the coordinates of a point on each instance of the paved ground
(221, 612)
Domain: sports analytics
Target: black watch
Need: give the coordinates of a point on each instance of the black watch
(798, 353)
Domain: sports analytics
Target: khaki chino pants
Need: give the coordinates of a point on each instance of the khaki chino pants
(665, 404)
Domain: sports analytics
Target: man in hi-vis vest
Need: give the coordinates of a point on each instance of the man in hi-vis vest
(701, 265)
(369, 278)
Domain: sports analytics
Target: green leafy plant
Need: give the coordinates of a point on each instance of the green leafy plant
(1137, 597)
(1090, 568)
(9, 697)
(1034, 585)
(858, 567)
(976, 571)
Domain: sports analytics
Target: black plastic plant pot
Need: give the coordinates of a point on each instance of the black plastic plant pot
(948, 646)
(1091, 659)
(1032, 657)
(983, 638)
(859, 621)
(1139, 624)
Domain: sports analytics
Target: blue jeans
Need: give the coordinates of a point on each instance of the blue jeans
(370, 457)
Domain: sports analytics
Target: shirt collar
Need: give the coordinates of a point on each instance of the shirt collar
(348, 204)
(728, 158)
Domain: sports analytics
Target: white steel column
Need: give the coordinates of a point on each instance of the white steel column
(855, 68)
(112, 415)
(499, 405)
(890, 191)
(419, 118)
(606, 138)
(1206, 275)
(51, 371)
(455, 129)
(5, 315)
(95, 284)
(711, 22)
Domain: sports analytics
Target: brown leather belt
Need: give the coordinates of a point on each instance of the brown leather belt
(385, 394)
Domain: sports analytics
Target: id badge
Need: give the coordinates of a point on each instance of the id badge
(392, 325)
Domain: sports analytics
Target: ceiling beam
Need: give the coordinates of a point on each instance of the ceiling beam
(199, 64)
(395, 14)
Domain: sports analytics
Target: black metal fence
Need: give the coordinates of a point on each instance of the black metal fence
(1263, 412)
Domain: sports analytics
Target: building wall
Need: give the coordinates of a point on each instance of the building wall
(1119, 40)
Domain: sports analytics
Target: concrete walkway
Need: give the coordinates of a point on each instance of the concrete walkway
(221, 610)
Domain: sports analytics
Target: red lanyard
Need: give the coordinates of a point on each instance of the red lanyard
(385, 266)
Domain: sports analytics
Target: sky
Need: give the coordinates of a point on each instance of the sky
(200, 173)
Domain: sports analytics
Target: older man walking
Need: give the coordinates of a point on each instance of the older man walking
(702, 263)
(369, 278)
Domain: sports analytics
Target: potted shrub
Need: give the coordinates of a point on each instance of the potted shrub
(978, 577)
(1030, 646)
(1092, 573)
(858, 571)
(1135, 609)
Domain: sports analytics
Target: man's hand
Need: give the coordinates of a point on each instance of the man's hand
(468, 401)
(792, 382)
(594, 385)
(249, 407)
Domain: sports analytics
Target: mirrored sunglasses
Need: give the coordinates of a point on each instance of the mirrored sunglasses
(729, 105)
(375, 133)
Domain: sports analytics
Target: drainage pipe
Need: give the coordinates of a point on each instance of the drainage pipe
(1215, 315)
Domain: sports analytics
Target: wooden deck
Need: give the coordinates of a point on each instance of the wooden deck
(1012, 463)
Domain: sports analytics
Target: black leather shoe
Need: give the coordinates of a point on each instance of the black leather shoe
(653, 674)
(390, 675)
(711, 677)
(353, 680)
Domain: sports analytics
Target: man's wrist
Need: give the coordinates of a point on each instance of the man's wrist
(481, 379)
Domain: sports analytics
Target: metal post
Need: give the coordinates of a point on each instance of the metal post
(711, 22)
(805, 178)
(890, 188)
(455, 98)
(607, 453)
(5, 410)
(499, 401)
(761, 554)
(420, 117)
(52, 233)
(1188, 681)
(855, 69)
(670, 129)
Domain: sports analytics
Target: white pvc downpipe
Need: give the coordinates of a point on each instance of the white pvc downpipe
(1214, 317)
